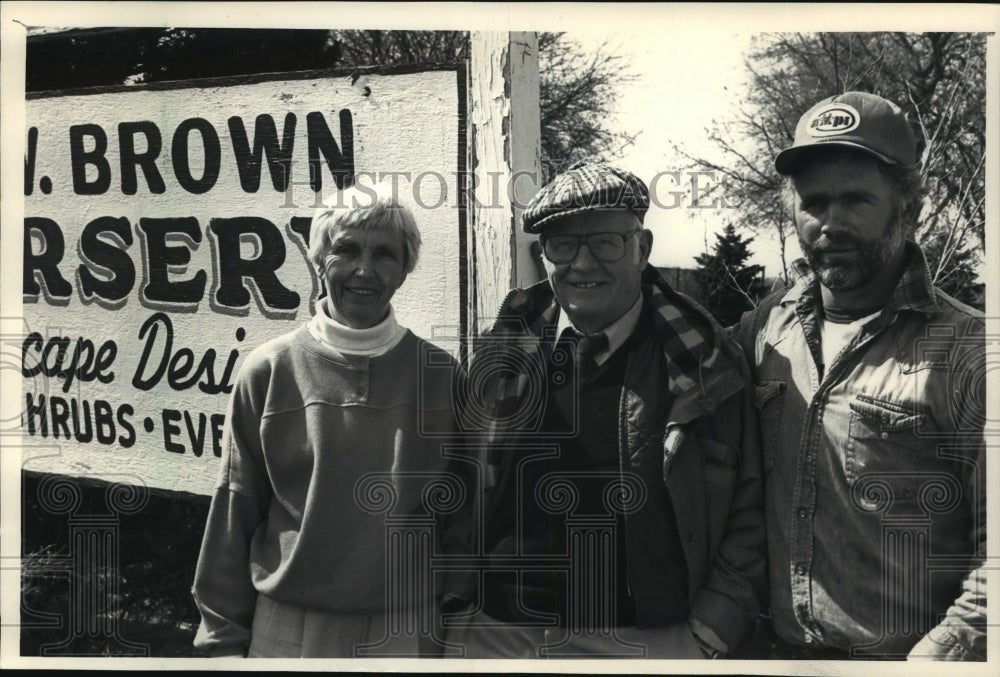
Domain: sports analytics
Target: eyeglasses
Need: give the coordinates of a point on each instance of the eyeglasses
(606, 247)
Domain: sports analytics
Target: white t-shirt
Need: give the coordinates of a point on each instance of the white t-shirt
(834, 336)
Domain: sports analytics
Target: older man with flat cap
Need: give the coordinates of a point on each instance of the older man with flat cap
(622, 503)
(870, 386)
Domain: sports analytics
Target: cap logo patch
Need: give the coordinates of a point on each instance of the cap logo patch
(836, 118)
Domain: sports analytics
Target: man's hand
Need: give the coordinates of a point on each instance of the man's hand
(940, 645)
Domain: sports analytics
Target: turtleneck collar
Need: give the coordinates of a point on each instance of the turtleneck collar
(368, 342)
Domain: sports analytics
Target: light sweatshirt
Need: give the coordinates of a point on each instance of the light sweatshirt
(293, 516)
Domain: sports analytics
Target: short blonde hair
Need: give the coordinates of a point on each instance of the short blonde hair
(365, 206)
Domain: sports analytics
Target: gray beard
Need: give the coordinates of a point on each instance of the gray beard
(855, 274)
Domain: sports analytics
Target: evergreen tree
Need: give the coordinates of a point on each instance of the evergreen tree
(729, 286)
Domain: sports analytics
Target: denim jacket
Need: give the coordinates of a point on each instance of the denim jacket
(875, 497)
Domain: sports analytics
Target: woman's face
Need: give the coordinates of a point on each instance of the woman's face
(362, 271)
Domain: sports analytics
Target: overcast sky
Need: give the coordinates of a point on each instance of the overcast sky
(679, 93)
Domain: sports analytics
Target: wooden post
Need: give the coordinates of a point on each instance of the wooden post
(504, 121)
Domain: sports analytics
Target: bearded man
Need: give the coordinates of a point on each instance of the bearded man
(869, 382)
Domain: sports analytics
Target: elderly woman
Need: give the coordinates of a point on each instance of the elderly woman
(295, 561)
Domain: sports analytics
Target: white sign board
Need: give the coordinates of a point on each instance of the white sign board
(166, 236)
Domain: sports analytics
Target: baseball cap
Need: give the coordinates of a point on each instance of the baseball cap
(857, 120)
(585, 186)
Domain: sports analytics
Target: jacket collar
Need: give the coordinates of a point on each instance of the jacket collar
(914, 291)
(701, 362)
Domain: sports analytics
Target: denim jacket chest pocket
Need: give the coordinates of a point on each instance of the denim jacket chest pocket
(891, 461)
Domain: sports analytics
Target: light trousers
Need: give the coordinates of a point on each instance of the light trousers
(288, 631)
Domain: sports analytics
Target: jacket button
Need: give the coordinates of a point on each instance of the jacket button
(803, 513)
(800, 570)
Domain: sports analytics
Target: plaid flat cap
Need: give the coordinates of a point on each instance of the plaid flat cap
(585, 186)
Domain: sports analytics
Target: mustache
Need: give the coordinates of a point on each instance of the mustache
(837, 242)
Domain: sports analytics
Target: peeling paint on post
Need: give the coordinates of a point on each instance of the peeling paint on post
(505, 127)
